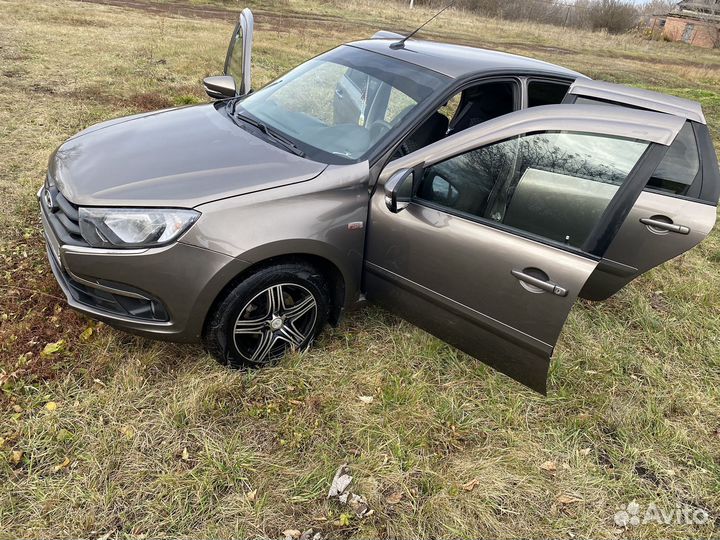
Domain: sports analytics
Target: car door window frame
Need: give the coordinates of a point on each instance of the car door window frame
(527, 81)
(702, 189)
(380, 160)
(607, 225)
(382, 157)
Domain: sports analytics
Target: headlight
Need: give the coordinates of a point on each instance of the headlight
(134, 227)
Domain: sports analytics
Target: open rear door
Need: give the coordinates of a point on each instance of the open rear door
(676, 209)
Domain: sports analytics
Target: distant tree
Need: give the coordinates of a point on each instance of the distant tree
(656, 7)
(615, 16)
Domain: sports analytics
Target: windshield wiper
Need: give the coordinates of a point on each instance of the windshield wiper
(271, 133)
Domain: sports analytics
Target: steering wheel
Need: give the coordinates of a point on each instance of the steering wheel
(379, 128)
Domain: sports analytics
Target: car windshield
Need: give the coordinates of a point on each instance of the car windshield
(339, 106)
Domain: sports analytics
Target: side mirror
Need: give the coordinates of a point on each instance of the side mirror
(398, 190)
(220, 87)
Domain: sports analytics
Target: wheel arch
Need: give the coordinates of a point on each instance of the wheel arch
(330, 270)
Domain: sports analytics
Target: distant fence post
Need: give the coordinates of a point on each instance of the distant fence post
(412, 3)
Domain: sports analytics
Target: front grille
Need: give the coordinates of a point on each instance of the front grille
(63, 217)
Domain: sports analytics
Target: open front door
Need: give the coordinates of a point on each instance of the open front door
(499, 234)
(237, 61)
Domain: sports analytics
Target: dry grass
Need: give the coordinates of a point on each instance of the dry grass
(634, 404)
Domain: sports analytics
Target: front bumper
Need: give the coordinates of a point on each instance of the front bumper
(163, 293)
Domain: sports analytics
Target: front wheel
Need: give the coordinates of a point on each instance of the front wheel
(276, 309)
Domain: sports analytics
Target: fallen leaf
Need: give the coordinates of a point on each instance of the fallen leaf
(569, 499)
(394, 498)
(185, 454)
(53, 348)
(65, 463)
(340, 482)
(17, 408)
(51, 406)
(584, 451)
(105, 536)
(87, 333)
(128, 432)
(308, 535)
(344, 520)
(2, 442)
(469, 486)
(584, 417)
(16, 457)
(251, 495)
(549, 466)
(366, 399)
(291, 533)
(63, 435)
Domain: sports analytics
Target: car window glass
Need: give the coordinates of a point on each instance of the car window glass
(465, 109)
(678, 169)
(450, 108)
(308, 95)
(546, 93)
(555, 184)
(399, 104)
(484, 102)
(680, 166)
(334, 107)
(358, 78)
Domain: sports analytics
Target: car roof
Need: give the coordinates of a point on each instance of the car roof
(459, 61)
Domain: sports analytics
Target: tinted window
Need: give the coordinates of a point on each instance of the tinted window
(680, 166)
(546, 93)
(555, 185)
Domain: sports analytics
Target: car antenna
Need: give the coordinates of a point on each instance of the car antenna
(401, 44)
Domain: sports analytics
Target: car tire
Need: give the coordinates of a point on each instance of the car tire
(276, 309)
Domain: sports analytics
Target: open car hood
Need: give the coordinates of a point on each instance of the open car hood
(178, 157)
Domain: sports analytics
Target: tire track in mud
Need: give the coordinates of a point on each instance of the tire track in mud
(276, 20)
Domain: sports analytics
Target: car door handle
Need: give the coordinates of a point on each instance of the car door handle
(665, 226)
(545, 285)
(339, 93)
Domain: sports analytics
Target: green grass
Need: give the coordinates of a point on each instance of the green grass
(156, 439)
